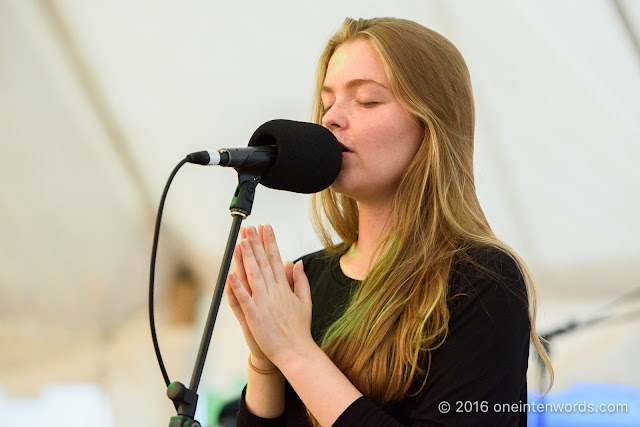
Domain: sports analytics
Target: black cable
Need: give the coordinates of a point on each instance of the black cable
(154, 253)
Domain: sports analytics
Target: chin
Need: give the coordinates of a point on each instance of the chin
(345, 190)
(352, 188)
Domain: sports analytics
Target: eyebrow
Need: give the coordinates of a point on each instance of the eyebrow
(354, 84)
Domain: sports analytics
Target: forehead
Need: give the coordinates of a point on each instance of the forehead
(355, 60)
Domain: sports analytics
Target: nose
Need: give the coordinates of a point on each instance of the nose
(335, 117)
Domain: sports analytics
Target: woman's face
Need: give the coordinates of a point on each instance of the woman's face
(380, 137)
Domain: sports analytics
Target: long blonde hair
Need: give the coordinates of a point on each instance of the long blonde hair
(399, 313)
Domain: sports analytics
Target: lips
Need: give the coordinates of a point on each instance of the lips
(344, 148)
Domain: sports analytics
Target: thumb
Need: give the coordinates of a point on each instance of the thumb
(301, 284)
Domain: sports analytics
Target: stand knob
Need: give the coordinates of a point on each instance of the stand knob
(176, 391)
(182, 421)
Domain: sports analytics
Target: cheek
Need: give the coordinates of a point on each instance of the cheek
(401, 136)
(414, 137)
(406, 145)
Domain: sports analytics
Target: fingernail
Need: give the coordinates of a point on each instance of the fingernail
(252, 231)
(233, 279)
(268, 229)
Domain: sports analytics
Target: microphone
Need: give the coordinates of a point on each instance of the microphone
(244, 157)
(289, 155)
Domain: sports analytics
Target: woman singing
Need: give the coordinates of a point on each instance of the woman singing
(420, 314)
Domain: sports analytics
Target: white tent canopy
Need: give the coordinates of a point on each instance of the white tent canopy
(99, 101)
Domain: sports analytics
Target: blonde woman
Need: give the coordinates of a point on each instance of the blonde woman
(420, 314)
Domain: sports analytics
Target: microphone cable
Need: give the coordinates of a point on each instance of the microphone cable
(154, 253)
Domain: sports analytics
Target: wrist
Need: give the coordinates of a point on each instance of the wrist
(300, 357)
(259, 364)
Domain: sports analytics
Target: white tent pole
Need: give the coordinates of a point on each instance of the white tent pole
(631, 31)
(98, 101)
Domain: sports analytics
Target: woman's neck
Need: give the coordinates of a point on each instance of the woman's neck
(373, 221)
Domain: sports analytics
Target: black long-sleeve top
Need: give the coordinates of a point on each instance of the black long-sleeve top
(479, 371)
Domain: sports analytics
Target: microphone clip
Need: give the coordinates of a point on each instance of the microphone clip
(242, 201)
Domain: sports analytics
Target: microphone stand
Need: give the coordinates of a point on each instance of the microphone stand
(185, 399)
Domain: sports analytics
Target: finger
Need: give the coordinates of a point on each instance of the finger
(260, 256)
(252, 269)
(261, 233)
(238, 252)
(288, 271)
(237, 311)
(302, 289)
(245, 302)
(273, 255)
(242, 275)
(233, 300)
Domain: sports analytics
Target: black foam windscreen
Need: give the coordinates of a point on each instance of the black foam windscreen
(309, 156)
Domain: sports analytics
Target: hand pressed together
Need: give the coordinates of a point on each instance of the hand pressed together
(271, 300)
